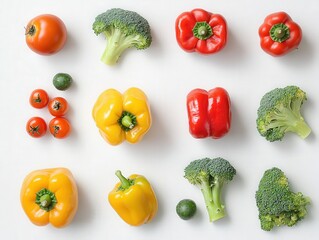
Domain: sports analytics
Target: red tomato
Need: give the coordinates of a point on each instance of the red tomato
(60, 127)
(39, 98)
(46, 34)
(36, 127)
(58, 106)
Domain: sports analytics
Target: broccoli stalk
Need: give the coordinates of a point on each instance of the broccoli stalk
(210, 175)
(279, 113)
(123, 29)
(117, 43)
(212, 197)
(277, 204)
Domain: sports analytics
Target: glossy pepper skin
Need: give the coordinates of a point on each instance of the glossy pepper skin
(209, 113)
(122, 117)
(279, 34)
(134, 199)
(201, 31)
(50, 196)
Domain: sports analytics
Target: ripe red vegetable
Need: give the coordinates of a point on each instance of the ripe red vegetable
(58, 106)
(46, 34)
(36, 127)
(279, 34)
(39, 98)
(60, 127)
(209, 113)
(201, 31)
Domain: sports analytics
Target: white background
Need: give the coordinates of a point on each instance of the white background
(166, 74)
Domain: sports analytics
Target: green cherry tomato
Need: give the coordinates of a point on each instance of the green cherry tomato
(62, 81)
(186, 209)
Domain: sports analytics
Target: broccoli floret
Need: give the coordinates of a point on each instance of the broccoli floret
(279, 112)
(277, 204)
(123, 29)
(210, 175)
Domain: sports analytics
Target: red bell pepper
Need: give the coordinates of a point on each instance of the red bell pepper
(209, 113)
(201, 31)
(279, 34)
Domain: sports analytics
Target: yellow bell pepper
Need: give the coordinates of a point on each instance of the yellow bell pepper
(133, 199)
(49, 196)
(122, 117)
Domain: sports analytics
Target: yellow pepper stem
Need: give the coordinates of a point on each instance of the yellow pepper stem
(45, 199)
(127, 121)
(125, 183)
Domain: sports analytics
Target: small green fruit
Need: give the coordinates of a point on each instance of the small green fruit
(62, 81)
(186, 209)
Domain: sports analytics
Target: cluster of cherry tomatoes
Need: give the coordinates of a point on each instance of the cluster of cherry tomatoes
(59, 126)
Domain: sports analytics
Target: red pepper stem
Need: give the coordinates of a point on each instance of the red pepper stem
(279, 32)
(125, 183)
(202, 30)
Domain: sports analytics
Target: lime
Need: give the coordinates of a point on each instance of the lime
(62, 81)
(186, 209)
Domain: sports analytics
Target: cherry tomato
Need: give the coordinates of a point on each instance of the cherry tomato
(36, 127)
(39, 98)
(58, 106)
(46, 34)
(60, 127)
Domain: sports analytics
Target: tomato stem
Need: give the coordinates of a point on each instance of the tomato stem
(34, 130)
(56, 105)
(38, 99)
(30, 30)
(56, 130)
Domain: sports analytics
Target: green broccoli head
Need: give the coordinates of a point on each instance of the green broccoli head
(211, 175)
(123, 29)
(279, 112)
(276, 203)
